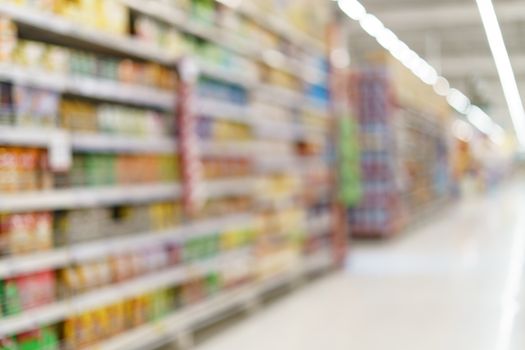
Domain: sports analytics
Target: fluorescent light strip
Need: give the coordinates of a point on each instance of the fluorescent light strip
(423, 70)
(504, 67)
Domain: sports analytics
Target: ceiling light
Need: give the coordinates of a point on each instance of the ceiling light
(442, 86)
(399, 50)
(353, 9)
(387, 39)
(458, 101)
(372, 25)
(477, 117)
(431, 76)
(497, 135)
(504, 67)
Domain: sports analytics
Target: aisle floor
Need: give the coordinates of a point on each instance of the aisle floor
(454, 283)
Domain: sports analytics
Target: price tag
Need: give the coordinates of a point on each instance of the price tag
(60, 151)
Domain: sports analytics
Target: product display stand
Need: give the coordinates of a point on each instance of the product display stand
(122, 227)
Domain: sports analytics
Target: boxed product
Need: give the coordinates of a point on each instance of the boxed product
(8, 39)
(35, 107)
(84, 277)
(41, 339)
(26, 233)
(22, 169)
(8, 344)
(28, 292)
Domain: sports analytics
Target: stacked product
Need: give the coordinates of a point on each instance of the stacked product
(404, 151)
(95, 241)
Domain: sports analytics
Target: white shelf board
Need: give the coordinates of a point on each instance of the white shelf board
(224, 110)
(41, 137)
(105, 196)
(122, 144)
(230, 75)
(230, 187)
(228, 148)
(87, 197)
(280, 96)
(15, 136)
(89, 87)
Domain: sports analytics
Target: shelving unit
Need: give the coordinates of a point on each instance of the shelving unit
(260, 146)
(404, 150)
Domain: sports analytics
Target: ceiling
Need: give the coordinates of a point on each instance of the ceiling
(450, 35)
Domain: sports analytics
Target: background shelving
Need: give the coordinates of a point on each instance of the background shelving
(405, 151)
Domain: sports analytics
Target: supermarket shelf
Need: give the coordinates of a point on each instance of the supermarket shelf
(289, 163)
(230, 75)
(288, 98)
(63, 28)
(288, 131)
(89, 87)
(33, 137)
(112, 294)
(279, 96)
(105, 196)
(83, 252)
(231, 187)
(87, 197)
(195, 317)
(228, 148)
(17, 136)
(121, 144)
(224, 110)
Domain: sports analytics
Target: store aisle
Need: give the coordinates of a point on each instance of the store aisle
(453, 284)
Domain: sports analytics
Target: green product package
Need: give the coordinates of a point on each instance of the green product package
(43, 339)
(11, 298)
(204, 10)
(49, 340)
(213, 283)
(350, 190)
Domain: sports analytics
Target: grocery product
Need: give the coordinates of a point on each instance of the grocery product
(40, 339)
(90, 169)
(27, 292)
(81, 225)
(23, 169)
(85, 116)
(26, 233)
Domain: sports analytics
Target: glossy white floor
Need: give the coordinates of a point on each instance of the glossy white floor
(456, 283)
